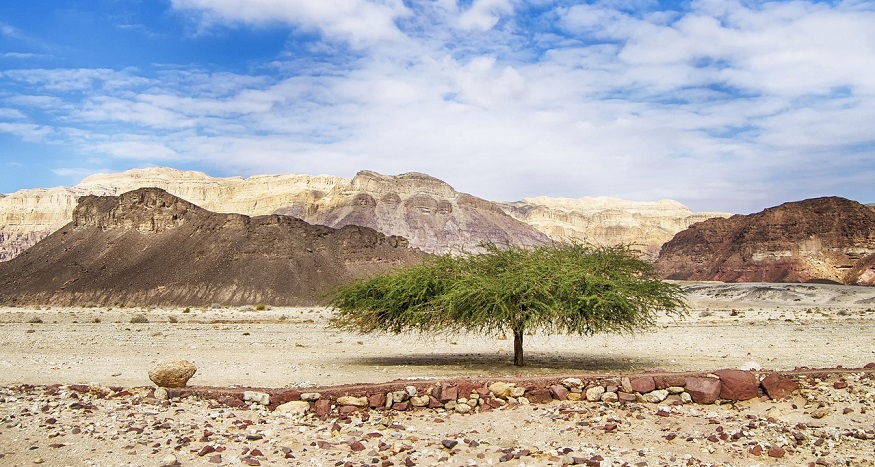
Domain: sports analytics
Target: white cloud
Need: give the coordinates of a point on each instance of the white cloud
(717, 105)
(484, 14)
(361, 22)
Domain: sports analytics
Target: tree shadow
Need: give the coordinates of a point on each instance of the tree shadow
(501, 364)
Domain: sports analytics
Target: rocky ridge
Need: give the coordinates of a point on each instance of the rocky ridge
(427, 211)
(148, 247)
(824, 239)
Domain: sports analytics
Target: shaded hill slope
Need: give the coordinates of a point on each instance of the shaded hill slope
(148, 247)
(822, 239)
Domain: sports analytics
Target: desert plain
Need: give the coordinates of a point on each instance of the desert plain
(821, 335)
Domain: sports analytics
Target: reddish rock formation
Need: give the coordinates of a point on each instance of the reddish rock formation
(703, 390)
(822, 239)
(148, 247)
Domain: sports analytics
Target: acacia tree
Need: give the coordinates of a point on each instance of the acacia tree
(555, 288)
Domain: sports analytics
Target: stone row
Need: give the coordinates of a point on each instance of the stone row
(469, 396)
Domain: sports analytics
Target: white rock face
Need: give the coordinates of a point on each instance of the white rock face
(608, 221)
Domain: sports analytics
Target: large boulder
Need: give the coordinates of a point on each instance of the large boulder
(737, 385)
(172, 373)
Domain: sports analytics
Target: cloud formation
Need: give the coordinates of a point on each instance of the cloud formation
(723, 105)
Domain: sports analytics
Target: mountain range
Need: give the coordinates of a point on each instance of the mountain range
(428, 212)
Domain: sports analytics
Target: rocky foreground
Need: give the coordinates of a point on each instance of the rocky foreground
(826, 417)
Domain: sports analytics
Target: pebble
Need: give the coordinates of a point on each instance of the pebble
(169, 461)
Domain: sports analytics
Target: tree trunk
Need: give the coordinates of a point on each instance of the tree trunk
(518, 348)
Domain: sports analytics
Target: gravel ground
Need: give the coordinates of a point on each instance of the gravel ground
(47, 419)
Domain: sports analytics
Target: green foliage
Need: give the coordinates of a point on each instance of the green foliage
(559, 288)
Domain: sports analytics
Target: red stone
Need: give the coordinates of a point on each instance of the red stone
(778, 386)
(756, 450)
(625, 397)
(841, 384)
(377, 400)
(216, 459)
(642, 384)
(284, 396)
(559, 392)
(668, 381)
(448, 393)
(357, 446)
(870, 366)
(465, 389)
(703, 390)
(401, 406)
(347, 409)
(539, 396)
(776, 451)
(434, 403)
(322, 407)
(737, 385)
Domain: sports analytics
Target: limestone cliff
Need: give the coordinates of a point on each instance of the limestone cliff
(147, 247)
(608, 221)
(823, 239)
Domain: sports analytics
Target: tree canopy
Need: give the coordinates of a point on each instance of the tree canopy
(555, 288)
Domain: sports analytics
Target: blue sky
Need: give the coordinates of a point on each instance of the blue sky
(722, 105)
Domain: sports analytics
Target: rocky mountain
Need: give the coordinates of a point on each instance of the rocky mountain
(148, 247)
(427, 211)
(608, 221)
(823, 239)
(421, 208)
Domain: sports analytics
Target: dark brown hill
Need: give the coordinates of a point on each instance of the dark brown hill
(147, 247)
(822, 239)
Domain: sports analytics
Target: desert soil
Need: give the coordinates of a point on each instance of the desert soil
(776, 327)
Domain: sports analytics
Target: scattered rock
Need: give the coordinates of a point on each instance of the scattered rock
(169, 461)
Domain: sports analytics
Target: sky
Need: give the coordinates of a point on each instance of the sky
(723, 105)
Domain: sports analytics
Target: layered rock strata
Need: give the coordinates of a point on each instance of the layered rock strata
(822, 240)
(148, 247)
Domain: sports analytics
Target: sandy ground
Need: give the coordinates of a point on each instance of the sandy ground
(775, 327)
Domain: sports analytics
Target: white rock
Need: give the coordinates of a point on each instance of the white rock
(610, 397)
(572, 383)
(594, 394)
(686, 398)
(169, 461)
(262, 398)
(161, 394)
(311, 396)
(353, 401)
(463, 408)
(517, 392)
(523, 400)
(674, 389)
(411, 390)
(655, 397)
(501, 389)
(419, 401)
(293, 408)
(750, 366)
